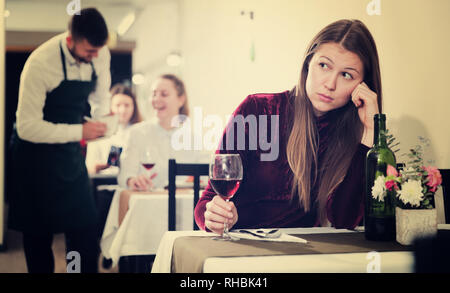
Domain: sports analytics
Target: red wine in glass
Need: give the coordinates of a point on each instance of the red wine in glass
(148, 166)
(225, 175)
(225, 187)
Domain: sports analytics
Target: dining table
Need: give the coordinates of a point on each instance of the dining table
(299, 250)
(103, 180)
(144, 223)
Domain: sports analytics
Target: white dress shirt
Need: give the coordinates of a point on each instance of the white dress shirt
(149, 135)
(42, 73)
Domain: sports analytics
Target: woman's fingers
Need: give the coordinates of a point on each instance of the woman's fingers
(141, 183)
(219, 201)
(358, 97)
(218, 206)
(213, 217)
(366, 101)
(354, 96)
(146, 182)
(218, 211)
(134, 184)
(215, 227)
(362, 94)
(138, 183)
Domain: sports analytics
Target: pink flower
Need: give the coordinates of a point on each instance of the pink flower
(434, 177)
(391, 171)
(391, 184)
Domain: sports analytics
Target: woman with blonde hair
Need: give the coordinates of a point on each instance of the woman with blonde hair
(325, 130)
(154, 138)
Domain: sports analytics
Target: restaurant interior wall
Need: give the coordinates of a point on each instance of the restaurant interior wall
(156, 33)
(412, 38)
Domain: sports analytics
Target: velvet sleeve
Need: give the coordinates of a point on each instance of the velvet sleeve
(247, 107)
(345, 207)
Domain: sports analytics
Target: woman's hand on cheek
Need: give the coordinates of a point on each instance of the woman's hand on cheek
(367, 103)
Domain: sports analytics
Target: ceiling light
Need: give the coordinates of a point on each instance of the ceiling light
(126, 23)
(174, 59)
(138, 78)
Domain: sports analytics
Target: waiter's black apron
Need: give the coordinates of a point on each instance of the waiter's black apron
(53, 191)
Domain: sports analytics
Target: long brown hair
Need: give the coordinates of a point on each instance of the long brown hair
(181, 91)
(125, 90)
(346, 129)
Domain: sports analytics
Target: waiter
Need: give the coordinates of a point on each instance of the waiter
(63, 80)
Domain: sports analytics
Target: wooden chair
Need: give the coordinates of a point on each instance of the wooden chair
(176, 169)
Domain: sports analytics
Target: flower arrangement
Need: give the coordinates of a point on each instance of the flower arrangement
(414, 186)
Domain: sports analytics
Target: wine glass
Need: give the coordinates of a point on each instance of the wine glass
(225, 175)
(148, 163)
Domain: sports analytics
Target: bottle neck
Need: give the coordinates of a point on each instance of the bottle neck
(380, 131)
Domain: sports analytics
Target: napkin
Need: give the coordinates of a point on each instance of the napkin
(112, 123)
(283, 237)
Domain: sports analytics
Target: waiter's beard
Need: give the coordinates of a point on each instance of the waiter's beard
(77, 57)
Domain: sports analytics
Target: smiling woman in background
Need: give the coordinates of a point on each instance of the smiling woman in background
(123, 104)
(325, 130)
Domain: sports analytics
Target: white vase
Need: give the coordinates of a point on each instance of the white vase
(412, 224)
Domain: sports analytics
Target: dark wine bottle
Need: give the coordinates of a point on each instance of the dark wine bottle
(379, 216)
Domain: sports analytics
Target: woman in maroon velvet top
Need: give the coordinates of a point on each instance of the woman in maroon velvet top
(318, 133)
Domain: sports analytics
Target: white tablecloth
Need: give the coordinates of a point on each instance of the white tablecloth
(144, 224)
(326, 263)
(390, 262)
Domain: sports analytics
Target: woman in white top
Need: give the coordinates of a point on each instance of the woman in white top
(100, 154)
(158, 137)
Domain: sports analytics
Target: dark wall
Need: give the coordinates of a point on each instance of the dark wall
(14, 62)
(121, 68)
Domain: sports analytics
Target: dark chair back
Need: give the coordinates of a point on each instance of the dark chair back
(446, 193)
(176, 169)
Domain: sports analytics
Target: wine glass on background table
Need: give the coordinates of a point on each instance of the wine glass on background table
(148, 163)
(225, 176)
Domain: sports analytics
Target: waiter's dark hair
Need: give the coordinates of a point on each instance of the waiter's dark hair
(89, 25)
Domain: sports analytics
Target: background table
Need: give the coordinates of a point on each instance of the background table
(107, 181)
(144, 224)
(398, 261)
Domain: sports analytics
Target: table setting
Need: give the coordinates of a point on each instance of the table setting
(318, 249)
(274, 249)
(271, 249)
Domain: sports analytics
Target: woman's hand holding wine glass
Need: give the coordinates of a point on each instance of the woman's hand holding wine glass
(143, 182)
(218, 211)
(225, 175)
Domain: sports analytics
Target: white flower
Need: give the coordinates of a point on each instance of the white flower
(379, 189)
(409, 173)
(411, 192)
